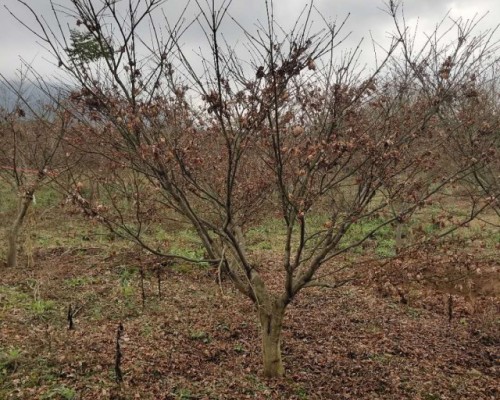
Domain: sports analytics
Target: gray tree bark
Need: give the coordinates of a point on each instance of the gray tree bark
(24, 205)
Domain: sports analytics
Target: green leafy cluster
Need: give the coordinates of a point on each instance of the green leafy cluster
(85, 48)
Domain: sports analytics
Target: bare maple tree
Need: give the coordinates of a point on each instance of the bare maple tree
(459, 66)
(31, 138)
(288, 132)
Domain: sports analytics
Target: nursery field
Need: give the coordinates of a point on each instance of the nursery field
(183, 335)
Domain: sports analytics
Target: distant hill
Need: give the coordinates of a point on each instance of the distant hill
(11, 93)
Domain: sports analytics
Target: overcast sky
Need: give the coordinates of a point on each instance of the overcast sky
(366, 17)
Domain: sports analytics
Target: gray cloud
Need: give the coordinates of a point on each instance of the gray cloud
(366, 17)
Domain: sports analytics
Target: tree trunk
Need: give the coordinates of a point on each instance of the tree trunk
(399, 237)
(271, 321)
(402, 236)
(16, 227)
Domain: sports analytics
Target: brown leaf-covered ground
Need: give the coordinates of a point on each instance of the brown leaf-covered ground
(201, 340)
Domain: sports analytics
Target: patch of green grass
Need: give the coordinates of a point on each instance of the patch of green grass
(43, 371)
(493, 239)
(96, 312)
(430, 228)
(199, 335)
(192, 253)
(383, 235)
(126, 288)
(146, 330)
(78, 281)
(414, 313)
(301, 393)
(60, 392)
(45, 197)
(13, 298)
(183, 394)
(239, 348)
(182, 268)
(9, 359)
(269, 235)
(182, 242)
(223, 327)
(386, 247)
(126, 274)
(161, 235)
(264, 245)
(257, 383)
(9, 198)
(41, 308)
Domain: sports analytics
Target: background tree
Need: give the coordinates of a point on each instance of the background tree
(290, 132)
(462, 72)
(31, 138)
